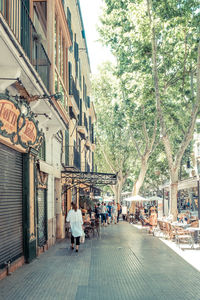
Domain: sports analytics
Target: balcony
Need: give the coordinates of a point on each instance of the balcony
(81, 127)
(88, 144)
(92, 139)
(74, 96)
(22, 27)
(72, 157)
(87, 168)
(85, 122)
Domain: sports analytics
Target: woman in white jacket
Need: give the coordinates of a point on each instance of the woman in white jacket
(75, 218)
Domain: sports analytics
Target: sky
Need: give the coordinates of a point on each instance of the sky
(91, 10)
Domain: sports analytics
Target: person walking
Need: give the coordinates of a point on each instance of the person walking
(114, 209)
(103, 214)
(118, 211)
(76, 221)
(109, 209)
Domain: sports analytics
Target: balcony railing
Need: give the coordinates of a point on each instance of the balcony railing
(17, 16)
(72, 157)
(73, 91)
(87, 168)
(77, 159)
(80, 120)
(85, 122)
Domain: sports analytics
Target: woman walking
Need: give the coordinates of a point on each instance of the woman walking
(75, 218)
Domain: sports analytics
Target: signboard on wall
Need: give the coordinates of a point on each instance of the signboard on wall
(18, 127)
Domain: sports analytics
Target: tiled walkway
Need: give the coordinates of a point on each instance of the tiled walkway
(125, 263)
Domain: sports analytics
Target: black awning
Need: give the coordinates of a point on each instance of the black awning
(91, 178)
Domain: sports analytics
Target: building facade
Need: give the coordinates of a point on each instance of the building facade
(46, 123)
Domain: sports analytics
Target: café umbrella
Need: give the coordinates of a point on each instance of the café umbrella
(155, 198)
(136, 198)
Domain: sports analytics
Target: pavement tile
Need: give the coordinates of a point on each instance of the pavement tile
(124, 263)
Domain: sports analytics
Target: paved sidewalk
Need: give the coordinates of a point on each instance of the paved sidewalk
(125, 263)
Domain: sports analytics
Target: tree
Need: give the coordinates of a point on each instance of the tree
(159, 38)
(174, 159)
(113, 140)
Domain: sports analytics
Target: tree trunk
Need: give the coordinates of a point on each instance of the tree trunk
(173, 194)
(137, 185)
(117, 189)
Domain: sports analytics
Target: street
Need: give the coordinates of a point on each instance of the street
(125, 263)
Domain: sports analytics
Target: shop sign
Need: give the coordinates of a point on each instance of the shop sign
(21, 129)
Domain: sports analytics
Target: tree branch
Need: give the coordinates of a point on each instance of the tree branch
(104, 154)
(189, 134)
(157, 89)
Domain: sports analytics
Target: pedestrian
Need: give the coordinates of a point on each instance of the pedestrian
(103, 214)
(114, 210)
(97, 211)
(109, 209)
(124, 212)
(118, 212)
(76, 221)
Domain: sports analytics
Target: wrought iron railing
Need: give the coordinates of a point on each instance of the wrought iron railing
(87, 168)
(77, 159)
(17, 16)
(80, 120)
(73, 91)
(85, 122)
(72, 157)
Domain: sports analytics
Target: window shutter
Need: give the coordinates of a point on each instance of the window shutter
(70, 77)
(76, 51)
(80, 116)
(67, 147)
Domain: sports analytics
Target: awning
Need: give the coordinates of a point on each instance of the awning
(76, 177)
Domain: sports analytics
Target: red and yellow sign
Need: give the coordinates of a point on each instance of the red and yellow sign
(16, 127)
(28, 133)
(8, 116)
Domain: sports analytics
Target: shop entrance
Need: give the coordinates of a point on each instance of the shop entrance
(11, 233)
(41, 217)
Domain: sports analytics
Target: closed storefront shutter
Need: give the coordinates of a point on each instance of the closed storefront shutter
(11, 234)
(42, 217)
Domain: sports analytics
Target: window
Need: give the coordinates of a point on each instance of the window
(42, 151)
(80, 82)
(67, 147)
(80, 115)
(69, 22)
(70, 77)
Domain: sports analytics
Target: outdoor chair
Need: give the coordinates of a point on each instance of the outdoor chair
(183, 236)
(163, 229)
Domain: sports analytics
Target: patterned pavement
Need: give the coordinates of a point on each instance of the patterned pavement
(124, 263)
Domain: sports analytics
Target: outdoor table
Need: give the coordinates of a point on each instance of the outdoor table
(179, 224)
(194, 230)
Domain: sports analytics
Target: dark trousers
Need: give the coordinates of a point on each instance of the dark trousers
(77, 240)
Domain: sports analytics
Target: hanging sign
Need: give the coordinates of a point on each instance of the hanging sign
(21, 129)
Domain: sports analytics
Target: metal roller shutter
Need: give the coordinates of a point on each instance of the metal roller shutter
(11, 234)
(42, 217)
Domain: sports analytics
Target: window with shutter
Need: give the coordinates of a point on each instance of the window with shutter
(42, 151)
(69, 22)
(70, 77)
(80, 115)
(76, 51)
(67, 147)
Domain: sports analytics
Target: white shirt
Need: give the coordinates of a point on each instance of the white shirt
(76, 221)
(124, 210)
